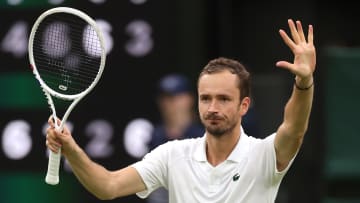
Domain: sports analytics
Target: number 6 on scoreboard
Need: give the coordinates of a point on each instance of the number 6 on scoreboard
(67, 56)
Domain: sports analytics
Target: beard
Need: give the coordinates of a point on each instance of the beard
(218, 126)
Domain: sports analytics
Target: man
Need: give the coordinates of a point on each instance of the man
(225, 165)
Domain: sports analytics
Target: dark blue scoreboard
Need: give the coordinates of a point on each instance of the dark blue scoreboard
(144, 40)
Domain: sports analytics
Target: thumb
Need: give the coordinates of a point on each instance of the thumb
(286, 65)
(66, 130)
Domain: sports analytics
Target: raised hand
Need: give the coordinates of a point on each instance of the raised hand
(303, 50)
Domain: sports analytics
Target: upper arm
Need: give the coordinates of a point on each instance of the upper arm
(287, 145)
(126, 181)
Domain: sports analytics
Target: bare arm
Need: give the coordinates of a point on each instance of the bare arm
(290, 134)
(101, 182)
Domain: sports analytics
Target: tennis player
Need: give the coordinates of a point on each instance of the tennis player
(225, 165)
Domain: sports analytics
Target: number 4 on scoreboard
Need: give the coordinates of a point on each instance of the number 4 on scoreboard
(16, 40)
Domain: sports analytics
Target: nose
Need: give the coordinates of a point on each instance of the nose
(213, 107)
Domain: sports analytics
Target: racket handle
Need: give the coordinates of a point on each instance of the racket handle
(52, 175)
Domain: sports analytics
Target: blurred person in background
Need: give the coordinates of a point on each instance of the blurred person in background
(178, 120)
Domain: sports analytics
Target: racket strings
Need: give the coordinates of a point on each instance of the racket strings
(51, 79)
(57, 65)
(67, 53)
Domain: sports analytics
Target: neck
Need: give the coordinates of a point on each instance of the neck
(219, 148)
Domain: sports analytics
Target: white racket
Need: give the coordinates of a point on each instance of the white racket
(67, 56)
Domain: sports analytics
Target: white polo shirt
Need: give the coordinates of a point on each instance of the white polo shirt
(248, 175)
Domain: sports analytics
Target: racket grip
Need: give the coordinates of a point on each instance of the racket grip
(52, 175)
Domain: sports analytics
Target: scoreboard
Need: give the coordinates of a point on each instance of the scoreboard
(145, 39)
(132, 51)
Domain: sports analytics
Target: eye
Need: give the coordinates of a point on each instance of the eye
(204, 98)
(224, 99)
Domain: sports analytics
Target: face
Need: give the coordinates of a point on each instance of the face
(173, 107)
(220, 108)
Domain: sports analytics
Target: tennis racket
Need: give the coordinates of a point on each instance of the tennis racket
(67, 56)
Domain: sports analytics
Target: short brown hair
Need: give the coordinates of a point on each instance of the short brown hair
(220, 64)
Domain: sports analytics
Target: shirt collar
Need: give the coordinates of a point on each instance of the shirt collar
(241, 149)
(239, 152)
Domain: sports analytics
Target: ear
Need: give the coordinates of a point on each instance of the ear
(244, 105)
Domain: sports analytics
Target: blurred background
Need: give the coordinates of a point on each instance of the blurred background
(147, 39)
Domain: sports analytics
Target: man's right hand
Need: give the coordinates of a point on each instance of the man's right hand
(56, 139)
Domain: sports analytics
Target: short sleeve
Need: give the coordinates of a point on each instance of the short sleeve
(153, 169)
(270, 152)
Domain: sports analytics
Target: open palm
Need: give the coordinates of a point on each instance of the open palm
(302, 48)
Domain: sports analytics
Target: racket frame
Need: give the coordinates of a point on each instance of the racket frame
(52, 175)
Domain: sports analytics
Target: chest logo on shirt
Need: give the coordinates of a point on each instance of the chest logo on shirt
(236, 177)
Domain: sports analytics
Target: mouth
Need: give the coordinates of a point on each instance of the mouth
(213, 118)
(214, 121)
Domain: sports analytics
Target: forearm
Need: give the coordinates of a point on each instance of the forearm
(289, 135)
(99, 181)
(95, 178)
(297, 110)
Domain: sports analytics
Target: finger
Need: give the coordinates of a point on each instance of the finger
(51, 143)
(58, 121)
(54, 143)
(311, 35)
(294, 32)
(51, 132)
(300, 31)
(287, 39)
(51, 121)
(52, 148)
(286, 65)
(66, 130)
(52, 137)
